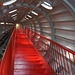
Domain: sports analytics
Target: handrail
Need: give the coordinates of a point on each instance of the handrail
(6, 60)
(60, 58)
(53, 42)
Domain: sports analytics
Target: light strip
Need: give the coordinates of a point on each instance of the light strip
(2, 23)
(47, 5)
(14, 15)
(26, 18)
(14, 18)
(29, 16)
(7, 23)
(9, 2)
(23, 20)
(13, 11)
(34, 13)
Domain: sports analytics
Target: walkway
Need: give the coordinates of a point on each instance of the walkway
(28, 60)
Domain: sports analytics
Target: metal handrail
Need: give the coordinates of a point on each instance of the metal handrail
(57, 56)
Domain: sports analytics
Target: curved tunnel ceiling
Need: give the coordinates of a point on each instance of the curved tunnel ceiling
(57, 24)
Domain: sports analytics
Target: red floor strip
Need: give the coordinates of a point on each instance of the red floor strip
(27, 60)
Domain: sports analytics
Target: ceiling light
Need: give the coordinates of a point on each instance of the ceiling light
(11, 23)
(26, 18)
(14, 15)
(13, 11)
(14, 19)
(29, 16)
(9, 2)
(23, 20)
(7, 23)
(2, 23)
(47, 5)
(34, 13)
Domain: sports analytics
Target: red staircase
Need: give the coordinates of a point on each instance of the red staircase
(22, 58)
(27, 60)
